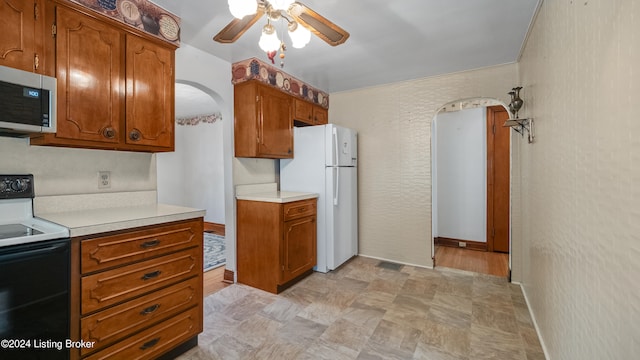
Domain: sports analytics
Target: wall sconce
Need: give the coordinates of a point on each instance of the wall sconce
(517, 124)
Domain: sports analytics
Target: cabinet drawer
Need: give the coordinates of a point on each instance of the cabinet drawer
(117, 285)
(151, 343)
(120, 321)
(110, 251)
(298, 209)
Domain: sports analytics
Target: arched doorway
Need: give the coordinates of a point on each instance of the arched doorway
(471, 186)
(193, 175)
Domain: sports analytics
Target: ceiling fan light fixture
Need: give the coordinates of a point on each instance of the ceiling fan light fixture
(281, 4)
(269, 39)
(300, 36)
(241, 8)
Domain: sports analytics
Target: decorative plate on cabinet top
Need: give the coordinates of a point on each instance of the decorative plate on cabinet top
(169, 27)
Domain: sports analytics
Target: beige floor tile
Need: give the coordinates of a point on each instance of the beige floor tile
(276, 351)
(457, 303)
(444, 315)
(301, 331)
(424, 351)
(366, 317)
(363, 311)
(491, 343)
(323, 350)
(446, 338)
(282, 310)
(256, 330)
(347, 334)
(321, 313)
(374, 299)
(491, 317)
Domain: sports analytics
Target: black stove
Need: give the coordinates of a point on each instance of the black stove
(34, 276)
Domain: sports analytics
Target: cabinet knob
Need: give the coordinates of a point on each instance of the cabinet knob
(109, 133)
(134, 135)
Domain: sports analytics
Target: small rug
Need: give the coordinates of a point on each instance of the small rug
(213, 251)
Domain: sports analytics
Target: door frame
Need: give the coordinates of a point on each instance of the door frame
(463, 104)
(490, 152)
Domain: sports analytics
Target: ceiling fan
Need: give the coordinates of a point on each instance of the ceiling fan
(300, 21)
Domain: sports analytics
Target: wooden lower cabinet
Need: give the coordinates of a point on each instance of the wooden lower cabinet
(140, 290)
(276, 243)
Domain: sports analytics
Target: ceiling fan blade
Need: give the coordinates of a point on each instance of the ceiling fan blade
(317, 24)
(236, 28)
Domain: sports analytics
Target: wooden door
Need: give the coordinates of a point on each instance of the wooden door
(21, 29)
(299, 247)
(89, 69)
(275, 124)
(150, 94)
(498, 179)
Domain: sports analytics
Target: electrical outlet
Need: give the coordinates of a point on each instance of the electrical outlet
(462, 244)
(104, 179)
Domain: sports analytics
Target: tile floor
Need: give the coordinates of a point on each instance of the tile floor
(365, 311)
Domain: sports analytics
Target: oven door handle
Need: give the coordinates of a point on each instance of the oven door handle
(32, 252)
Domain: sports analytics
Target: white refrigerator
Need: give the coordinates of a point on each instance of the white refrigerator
(325, 162)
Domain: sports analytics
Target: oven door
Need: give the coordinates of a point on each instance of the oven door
(34, 300)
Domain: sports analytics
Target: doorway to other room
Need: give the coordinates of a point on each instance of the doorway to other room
(193, 175)
(471, 186)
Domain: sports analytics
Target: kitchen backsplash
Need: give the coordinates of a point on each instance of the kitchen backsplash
(64, 171)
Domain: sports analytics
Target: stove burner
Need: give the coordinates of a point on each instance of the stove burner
(16, 230)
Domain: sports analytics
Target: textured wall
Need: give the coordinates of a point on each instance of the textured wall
(580, 193)
(394, 124)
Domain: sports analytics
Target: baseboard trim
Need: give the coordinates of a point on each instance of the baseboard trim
(535, 323)
(471, 245)
(228, 276)
(214, 228)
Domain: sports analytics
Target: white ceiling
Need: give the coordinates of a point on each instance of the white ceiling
(391, 40)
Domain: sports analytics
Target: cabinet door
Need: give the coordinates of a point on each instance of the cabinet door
(299, 247)
(303, 111)
(275, 124)
(18, 42)
(150, 93)
(320, 116)
(90, 78)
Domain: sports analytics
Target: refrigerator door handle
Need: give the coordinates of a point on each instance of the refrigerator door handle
(336, 188)
(336, 154)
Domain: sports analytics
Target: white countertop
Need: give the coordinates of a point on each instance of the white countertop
(278, 196)
(94, 221)
(268, 192)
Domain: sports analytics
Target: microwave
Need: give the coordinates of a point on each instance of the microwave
(27, 102)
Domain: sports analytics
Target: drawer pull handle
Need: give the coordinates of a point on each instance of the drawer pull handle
(302, 209)
(149, 244)
(149, 344)
(150, 309)
(151, 275)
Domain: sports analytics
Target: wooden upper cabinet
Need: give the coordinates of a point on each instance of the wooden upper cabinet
(263, 121)
(320, 115)
(21, 42)
(303, 111)
(150, 93)
(306, 113)
(115, 86)
(90, 73)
